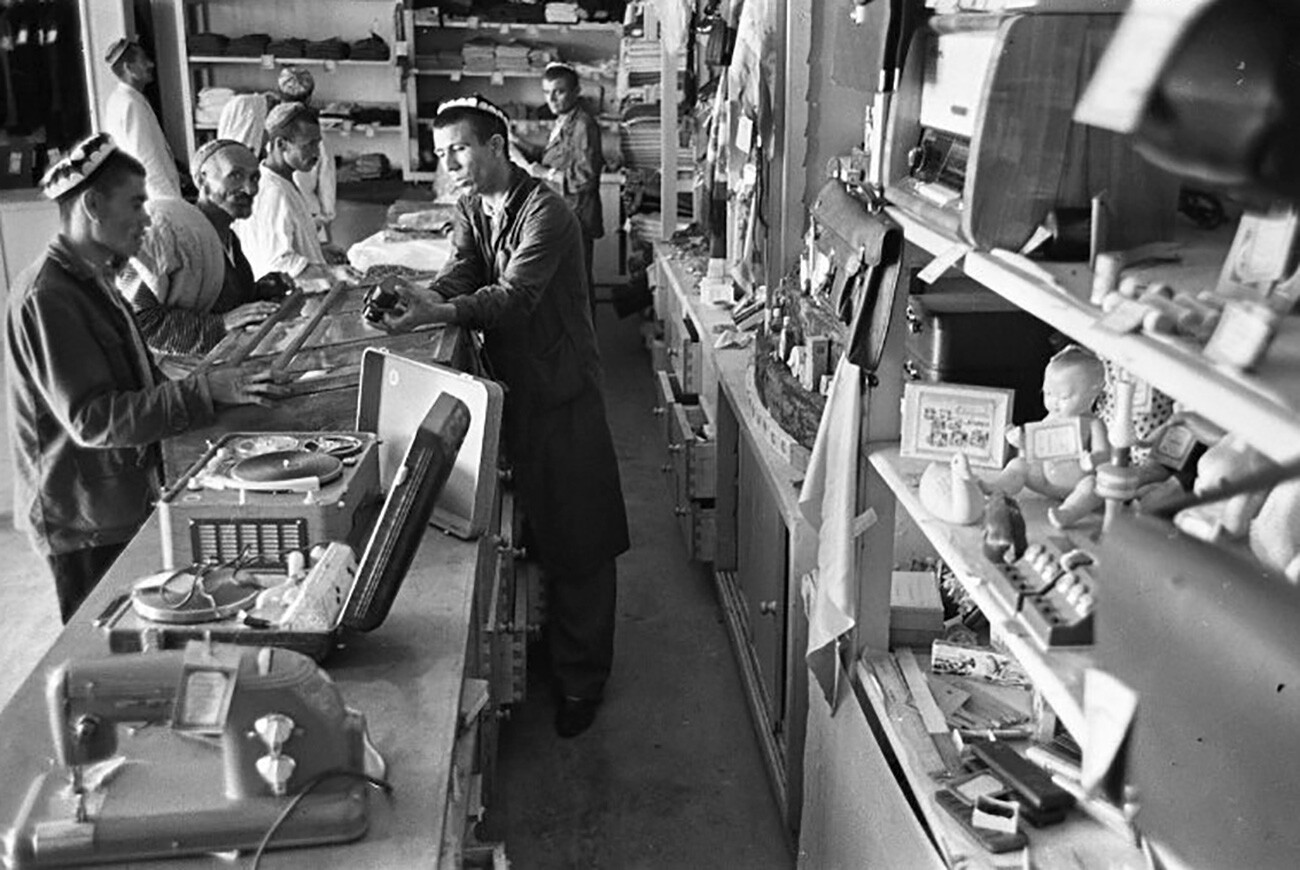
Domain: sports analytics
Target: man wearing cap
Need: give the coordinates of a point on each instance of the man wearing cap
(130, 120)
(319, 185)
(280, 235)
(572, 160)
(517, 274)
(194, 283)
(87, 405)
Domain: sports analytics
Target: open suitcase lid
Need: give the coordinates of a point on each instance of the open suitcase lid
(396, 393)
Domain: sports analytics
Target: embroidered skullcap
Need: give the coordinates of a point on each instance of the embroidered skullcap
(559, 66)
(280, 120)
(206, 152)
(79, 167)
(118, 49)
(296, 83)
(475, 101)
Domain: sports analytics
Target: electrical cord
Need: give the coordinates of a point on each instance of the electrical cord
(381, 784)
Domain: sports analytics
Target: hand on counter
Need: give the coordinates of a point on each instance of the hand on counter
(244, 386)
(403, 308)
(248, 314)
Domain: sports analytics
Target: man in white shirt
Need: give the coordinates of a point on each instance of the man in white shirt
(130, 120)
(280, 235)
(319, 185)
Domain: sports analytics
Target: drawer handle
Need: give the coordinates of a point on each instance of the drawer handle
(914, 322)
(658, 410)
(767, 608)
(681, 511)
(666, 468)
(505, 548)
(675, 448)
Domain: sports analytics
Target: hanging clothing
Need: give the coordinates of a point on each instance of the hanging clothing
(87, 407)
(130, 120)
(573, 152)
(280, 236)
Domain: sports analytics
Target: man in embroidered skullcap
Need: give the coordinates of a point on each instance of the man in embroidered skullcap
(517, 274)
(319, 185)
(192, 282)
(572, 161)
(280, 235)
(87, 405)
(131, 121)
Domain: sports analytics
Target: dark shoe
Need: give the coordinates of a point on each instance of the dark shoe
(575, 715)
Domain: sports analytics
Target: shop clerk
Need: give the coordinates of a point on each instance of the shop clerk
(130, 120)
(87, 406)
(516, 273)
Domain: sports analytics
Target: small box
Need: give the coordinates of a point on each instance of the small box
(17, 166)
(915, 609)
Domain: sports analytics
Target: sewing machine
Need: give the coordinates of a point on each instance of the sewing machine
(231, 737)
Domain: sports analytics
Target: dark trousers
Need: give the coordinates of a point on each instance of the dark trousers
(580, 630)
(588, 255)
(78, 572)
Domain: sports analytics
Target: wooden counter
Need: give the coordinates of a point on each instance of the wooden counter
(406, 676)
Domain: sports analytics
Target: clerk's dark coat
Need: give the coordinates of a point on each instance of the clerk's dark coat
(524, 284)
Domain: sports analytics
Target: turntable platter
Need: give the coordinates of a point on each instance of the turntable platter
(286, 466)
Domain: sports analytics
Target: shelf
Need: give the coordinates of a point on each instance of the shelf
(357, 129)
(1263, 407)
(456, 74)
(426, 20)
(1077, 842)
(209, 60)
(1057, 673)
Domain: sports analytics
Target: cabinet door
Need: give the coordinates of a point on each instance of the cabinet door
(762, 556)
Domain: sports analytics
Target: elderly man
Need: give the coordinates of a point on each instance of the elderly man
(87, 405)
(195, 283)
(517, 274)
(130, 120)
(280, 235)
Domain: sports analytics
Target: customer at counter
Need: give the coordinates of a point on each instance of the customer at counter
(195, 284)
(87, 405)
(280, 234)
(517, 273)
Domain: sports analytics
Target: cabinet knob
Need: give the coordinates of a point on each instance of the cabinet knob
(658, 410)
(767, 608)
(666, 468)
(681, 511)
(675, 447)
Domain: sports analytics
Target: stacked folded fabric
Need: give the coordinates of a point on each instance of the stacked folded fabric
(207, 44)
(563, 13)
(249, 45)
(209, 103)
(290, 47)
(447, 58)
(513, 57)
(479, 55)
(327, 49)
(372, 47)
(371, 166)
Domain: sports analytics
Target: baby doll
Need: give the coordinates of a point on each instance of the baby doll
(1058, 461)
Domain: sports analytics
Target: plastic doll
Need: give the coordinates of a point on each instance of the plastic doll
(1063, 466)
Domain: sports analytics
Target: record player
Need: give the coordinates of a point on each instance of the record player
(281, 538)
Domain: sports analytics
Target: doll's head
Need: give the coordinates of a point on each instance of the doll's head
(1072, 382)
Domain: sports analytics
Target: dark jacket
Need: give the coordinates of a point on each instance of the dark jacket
(84, 424)
(526, 287)
(575, 152)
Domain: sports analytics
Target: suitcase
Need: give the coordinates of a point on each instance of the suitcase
(435, 446)
(976, 337)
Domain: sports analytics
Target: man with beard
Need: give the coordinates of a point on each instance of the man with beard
(517, 274)
(131, 121)
(87, 405)
(195, 284)
(280, 235)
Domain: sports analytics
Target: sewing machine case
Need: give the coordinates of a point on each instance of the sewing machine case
(452, 489)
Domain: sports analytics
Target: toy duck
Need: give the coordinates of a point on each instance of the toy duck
(952, 492)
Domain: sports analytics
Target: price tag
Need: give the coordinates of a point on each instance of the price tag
(15, 162)
(533, 31)
(498, 78)
(21, 38)
(331, 65)
(455, 75)
(268, 61)
(472, 21)
(505, 29)
(370, 131)
(400, 48)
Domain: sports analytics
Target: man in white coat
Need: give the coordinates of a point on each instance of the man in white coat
(280, 235)
(130, 120)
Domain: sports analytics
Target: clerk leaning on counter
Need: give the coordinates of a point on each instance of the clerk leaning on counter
(517, 273)
(87, 404)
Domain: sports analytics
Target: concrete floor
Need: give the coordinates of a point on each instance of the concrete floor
(670, 776)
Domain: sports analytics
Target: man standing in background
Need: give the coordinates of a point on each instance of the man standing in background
(130, 120)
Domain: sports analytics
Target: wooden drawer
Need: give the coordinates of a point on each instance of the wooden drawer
(694, 453)
(686, 358)
(698, 523)
(666, 398)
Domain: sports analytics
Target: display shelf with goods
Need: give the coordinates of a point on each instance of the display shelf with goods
(231, 47)
(503, 61)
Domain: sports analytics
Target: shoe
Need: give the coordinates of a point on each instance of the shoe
(575, 715)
